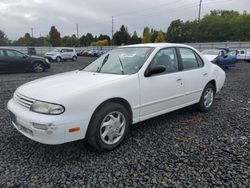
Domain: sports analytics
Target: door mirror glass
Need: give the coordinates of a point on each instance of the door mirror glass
(156, 69)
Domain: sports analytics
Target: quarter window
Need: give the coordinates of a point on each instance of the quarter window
(2, 53)
(190, 60)
(168, 58)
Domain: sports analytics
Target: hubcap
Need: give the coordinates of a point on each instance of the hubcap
(112, 128)
(38, 67)
(209, 97)
(58, 59)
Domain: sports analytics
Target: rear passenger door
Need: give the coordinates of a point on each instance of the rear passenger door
(194, 74)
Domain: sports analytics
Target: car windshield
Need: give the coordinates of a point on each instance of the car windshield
(56, 50)
(127, 60)
(211, 52)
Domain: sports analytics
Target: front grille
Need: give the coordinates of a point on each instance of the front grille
(23, 100)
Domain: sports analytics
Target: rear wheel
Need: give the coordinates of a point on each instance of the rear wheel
(207, 98)
(108, 127)
(38, 67)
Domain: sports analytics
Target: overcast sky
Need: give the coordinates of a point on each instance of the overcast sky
(18, 16)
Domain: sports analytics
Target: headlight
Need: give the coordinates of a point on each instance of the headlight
(47, 108)
(47, 61)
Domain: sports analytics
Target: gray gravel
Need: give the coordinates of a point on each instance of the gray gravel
(184, 148)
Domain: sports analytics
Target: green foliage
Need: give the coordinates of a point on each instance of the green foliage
(160, 37)
(146, 35)
(135, 39)
(122, 36)
(70, 41)
(3, 39)
(54, 36)
(103, 42)
(218, 26)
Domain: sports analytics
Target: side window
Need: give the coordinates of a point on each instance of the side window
(13, 53)
(168, 58)
(242, 52)
(189, 60)
(199, 60)
(2, 53)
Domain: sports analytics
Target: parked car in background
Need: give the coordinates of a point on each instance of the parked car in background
(84, 53)
(243, 54)
(78, 52)
(31, 51)
(60, 54)
(222, 57)
(126, 85)
(14, 61)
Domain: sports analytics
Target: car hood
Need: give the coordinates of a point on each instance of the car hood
(210, 57)
(37, 57)
(53, 88)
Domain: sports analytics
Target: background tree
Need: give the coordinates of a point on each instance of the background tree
(122, 36)
(3, 39)
(135, 39)
(26, 40)
(54, 36)
(153, 34)
(160, 37)
(105, 37)
(146, 35)
(70, 41)
(89, 39)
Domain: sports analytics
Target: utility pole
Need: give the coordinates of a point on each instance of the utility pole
(32, 32)
(77, 33)
(112, 30)
(199, 17)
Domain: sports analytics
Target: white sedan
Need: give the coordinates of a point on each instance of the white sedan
(124, 86)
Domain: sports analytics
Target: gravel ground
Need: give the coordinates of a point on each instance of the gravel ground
(184, 148)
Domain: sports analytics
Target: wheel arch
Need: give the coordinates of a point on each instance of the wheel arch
(213, 82)
(118, 100)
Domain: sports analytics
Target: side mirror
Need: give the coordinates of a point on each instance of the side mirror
(24, 56)
(225, 56)
(156, 69)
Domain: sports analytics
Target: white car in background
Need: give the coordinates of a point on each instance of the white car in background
(124, 86)
(60, 54)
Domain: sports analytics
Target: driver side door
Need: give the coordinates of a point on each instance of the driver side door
(163, 92)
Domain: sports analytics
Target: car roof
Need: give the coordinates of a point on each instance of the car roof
(157, 45)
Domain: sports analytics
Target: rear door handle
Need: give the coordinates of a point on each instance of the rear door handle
(179, 79)
(205, 74)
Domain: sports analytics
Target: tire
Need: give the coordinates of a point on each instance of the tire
(105, 119)
(38, 67)
(58, 59)
(207, 98)
(74, 58)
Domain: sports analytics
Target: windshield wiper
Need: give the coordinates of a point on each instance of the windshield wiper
(103, 62)
(121, 65)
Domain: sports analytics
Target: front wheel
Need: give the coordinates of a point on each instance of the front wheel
(108, 127)
(207, 98)
(58, 59)
(38, 67)
(74, 58)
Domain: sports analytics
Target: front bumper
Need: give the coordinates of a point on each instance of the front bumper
(25, 122)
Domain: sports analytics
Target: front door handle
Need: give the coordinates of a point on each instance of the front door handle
(205, 74)
(179, 79)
